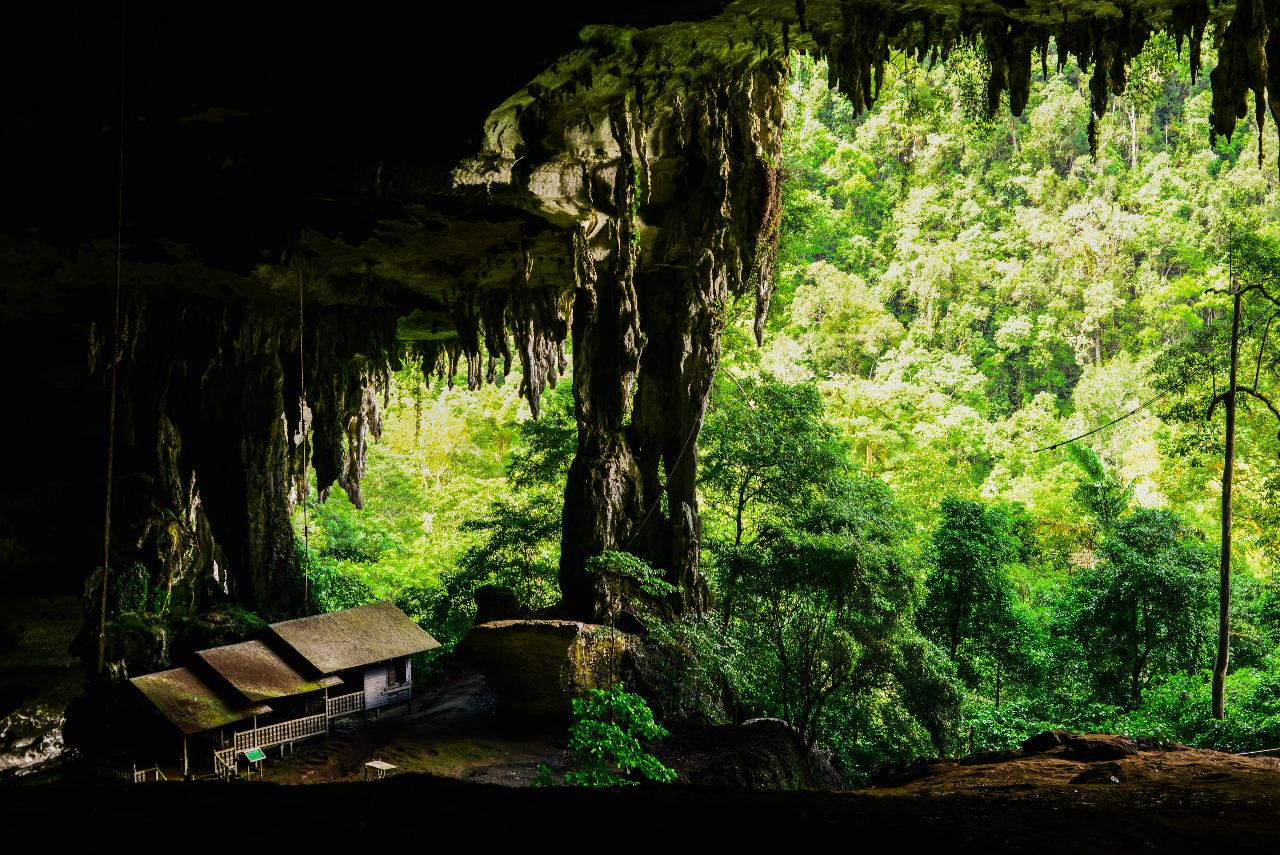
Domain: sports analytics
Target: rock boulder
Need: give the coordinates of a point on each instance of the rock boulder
(537, 667)
(760, 754)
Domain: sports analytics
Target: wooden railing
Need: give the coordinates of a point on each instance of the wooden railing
(279, 734)
(140, 775)
(396, 696)
(224, 760)
(224, 763)
(346, 704)
(113, 772)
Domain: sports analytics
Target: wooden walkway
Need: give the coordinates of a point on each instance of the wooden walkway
(226, 761)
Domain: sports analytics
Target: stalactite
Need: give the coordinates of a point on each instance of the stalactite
(539, 326)
(1273, 71)
(858, 46)
(219, 403)
(995, 40)
(493, 316)
(1242, 67)
(466, 323)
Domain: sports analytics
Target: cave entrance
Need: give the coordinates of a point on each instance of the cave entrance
(954, 290)
(958, 287)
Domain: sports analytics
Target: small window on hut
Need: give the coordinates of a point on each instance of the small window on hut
(397, 673)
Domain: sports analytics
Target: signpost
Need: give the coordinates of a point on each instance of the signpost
(255, 755)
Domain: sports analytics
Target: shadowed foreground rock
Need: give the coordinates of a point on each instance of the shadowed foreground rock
(761, 754)
(419, 811)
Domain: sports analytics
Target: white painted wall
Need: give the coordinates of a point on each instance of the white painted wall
(375, 683)
(375, 686)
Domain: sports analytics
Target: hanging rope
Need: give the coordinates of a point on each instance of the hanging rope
(115, 371)
(304, 424)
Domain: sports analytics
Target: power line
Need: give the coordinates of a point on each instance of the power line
(1144, 404)
(1101, 428)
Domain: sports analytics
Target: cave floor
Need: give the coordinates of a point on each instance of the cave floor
(422, 810)
(462, 765)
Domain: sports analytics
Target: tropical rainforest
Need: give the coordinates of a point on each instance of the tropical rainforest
(969, 488)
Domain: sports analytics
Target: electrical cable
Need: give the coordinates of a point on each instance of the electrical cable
(1146, 403)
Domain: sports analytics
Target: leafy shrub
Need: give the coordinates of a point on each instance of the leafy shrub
(606, 734)
(352, 536)
(628, 566)
(1178, 709)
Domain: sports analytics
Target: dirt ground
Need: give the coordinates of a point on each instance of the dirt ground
(1093, 763)
(1188, 793)
(455, 733)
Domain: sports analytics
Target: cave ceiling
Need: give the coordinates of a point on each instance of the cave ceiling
(421, 161)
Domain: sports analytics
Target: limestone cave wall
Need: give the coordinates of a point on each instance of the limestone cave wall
(203, 501)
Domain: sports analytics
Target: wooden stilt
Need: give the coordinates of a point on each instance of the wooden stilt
(184, 756)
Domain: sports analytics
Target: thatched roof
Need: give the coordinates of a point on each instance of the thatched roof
(354, 637)
(190, 704)
(259, 673)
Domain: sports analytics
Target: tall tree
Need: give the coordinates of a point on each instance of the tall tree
(767, 454)
(826, 604)
(970, 599)
(1142, 610)
(1254, 268)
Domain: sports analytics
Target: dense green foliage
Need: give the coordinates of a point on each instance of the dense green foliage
(1143, 608)
(971, 609)
(907, 556)
(605, 737)
(967, 291)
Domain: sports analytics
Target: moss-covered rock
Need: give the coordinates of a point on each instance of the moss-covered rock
(537, 667)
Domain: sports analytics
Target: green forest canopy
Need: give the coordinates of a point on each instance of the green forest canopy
(957, 294)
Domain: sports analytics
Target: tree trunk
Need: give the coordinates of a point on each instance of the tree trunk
(1224, 567)
(1133, 137)
(1135, 671)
